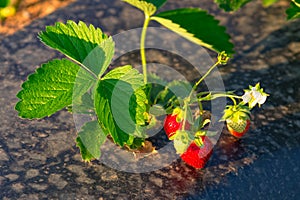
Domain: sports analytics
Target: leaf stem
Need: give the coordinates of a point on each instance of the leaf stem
(222, 59)
(205, 75)
(185, 106)
(210, 97)
(142, 46)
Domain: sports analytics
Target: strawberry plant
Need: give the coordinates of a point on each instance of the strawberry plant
(292, 12)
(122, 99)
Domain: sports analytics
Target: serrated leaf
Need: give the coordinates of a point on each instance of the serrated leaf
(146, 6)
(231, 5)
(89, 140)
(157, 110)
(293, 11)
(182, 140)
(181, 89)
(157, 3)
(86, 45)
(267, 3)
(85, 154)
(174, 90)
(83, 105)
(156, 85)
(197, 26)
(120, 104)
(50, 89)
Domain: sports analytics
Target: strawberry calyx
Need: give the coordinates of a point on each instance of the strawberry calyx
(237, 118)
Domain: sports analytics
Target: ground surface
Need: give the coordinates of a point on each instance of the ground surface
(39, 160)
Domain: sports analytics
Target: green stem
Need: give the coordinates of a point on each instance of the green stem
(188, 99)
(200, 107)
(218, 95)
(142, 47)
(206, 74)
(186, 104)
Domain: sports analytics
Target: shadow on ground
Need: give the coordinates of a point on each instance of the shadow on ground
(39, 160)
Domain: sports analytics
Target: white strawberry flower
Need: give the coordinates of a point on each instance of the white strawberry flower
(254, 96)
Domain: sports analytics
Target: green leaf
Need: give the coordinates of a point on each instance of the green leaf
(182, 140)
(146, 6)
(89, 140)
(87, 45)
(267, 3)
(120, 104)
(197, 26)
(156, 85)
(4, 3)
(157, 110)
(83, 105)
(173, 91)
(85, 154)
(50, 89)
(232, 5)
(157, 3)
(293, 11)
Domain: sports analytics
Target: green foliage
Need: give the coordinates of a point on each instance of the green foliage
(146, 6)
(157, 3)
(50, 89)
(168, 95)
(89, 140)
(122, 98)
(88, 46)
(267, 3)
(236, 112)
(182, 140)
(4, 3)
(120, 104)
(197, 26)
(293, 11)
(232, 5)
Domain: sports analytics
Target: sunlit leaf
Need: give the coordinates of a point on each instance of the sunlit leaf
(50, 89)
(293, 11)
(197, 26)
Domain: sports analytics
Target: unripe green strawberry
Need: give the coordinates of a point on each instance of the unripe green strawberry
(238, 129)
(237, 119)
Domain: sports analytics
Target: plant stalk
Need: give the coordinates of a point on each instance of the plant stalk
(205, 75)
(142, 47)
(187, 100)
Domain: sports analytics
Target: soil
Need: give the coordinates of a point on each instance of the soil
(39, 158)
(27, 11)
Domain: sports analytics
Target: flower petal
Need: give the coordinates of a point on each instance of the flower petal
(262, 99)
(246, 97)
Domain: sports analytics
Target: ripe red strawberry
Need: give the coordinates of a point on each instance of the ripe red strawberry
(171, 125)
(196, 156)
(239, 128)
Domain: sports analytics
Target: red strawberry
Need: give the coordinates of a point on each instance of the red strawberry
(196, 156)
(239, 128)
(171, 125)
